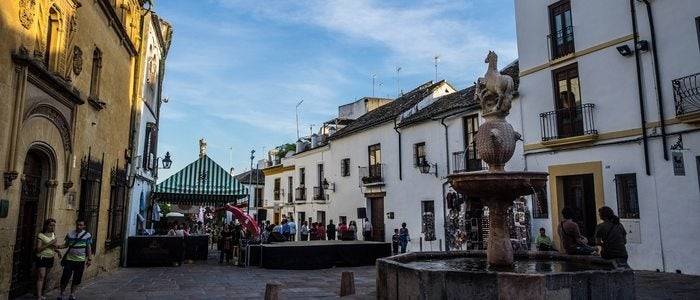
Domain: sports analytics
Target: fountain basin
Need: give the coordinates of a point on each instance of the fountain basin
(534, 275)
(504, 185)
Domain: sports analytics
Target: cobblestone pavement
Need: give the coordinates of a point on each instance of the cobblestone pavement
(213, 281)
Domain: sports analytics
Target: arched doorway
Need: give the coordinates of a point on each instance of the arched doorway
(32, 198)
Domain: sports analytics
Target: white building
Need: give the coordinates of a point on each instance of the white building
(254, 182)
(145, 115)
(616, 124)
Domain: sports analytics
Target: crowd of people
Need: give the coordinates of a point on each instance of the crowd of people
(288, 230)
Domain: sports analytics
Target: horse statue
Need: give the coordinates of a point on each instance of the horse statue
(495, 90)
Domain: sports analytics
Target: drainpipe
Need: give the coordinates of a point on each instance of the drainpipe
(659, 94)
(444, 184)
(645, 141)
(400, 164)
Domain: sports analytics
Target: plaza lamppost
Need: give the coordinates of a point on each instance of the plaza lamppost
(250, 179)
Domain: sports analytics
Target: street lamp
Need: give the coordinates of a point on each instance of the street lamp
(167, 162)
(426, 166)
(250, 179)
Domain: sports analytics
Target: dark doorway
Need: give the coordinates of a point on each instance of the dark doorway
(34, 180)
(377, 218)
(579, 195)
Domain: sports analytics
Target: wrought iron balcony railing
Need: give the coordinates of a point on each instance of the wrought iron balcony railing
(686, 94)
(464, 161)
(319, 193)
(568, 122)
(300, 194)
(561, 42)
(372, 174)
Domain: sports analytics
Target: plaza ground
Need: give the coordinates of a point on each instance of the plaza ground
(209, 280)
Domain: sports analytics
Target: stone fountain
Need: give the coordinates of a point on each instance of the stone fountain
(497, 274)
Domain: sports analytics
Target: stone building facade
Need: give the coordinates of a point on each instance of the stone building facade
(66, 91)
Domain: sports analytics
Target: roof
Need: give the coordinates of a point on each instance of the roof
(457, 101)
(389, 111)
(202, 182)
(257, 178)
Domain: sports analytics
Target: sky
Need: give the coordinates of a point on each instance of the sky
(237, 68)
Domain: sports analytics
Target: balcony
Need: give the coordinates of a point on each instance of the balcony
(319, 194)
(568, 126)
(372, 174)
(300, 194)
(561, 43)
(462, 162)
(686, 95)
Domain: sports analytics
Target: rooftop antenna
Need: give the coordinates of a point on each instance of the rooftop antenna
(296, 114)
(311, 129)
(373, 77)
(437, 59)
(398, 86)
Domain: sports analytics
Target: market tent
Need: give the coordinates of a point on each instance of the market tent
(203, 182)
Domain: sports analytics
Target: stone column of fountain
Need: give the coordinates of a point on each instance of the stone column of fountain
(495, 143)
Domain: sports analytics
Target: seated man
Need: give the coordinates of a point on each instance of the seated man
(543, 242)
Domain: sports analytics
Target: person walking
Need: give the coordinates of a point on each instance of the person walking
(352, 230)
(573, 243)
(611, 236)
(77, 257)
(292, 229)
(404, 237)
(330, 230)
(46, 248)
(367, 230)
(304, 231)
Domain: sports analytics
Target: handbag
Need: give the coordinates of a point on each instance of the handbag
(63, 260)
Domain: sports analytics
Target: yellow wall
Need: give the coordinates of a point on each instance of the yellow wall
(100, 131)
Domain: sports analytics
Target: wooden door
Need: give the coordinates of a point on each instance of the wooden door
(26, 226)
(377, 218)
(580, 197)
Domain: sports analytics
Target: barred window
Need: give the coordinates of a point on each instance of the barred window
(117, 201)
(90, 190)
(540, 205)
(419, 154)
(627, 201)
(472, 159)
(278, 183)
(345, 167)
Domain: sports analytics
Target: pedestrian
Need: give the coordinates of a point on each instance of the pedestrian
(304, 231)
(314, 231)
(573, 243)
(543, 242)
(321, 231)
(342, 231)
(286, 231)
(352, 231)
(292, 229)
(611, 236)
(46, 248)
(367, 230)
(77, 257)
(330, 230)
(225, 242)
(404, 237)
(236, 237)
(395, 239)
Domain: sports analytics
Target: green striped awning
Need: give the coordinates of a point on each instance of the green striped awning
(203, 182)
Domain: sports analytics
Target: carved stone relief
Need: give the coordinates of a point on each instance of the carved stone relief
(55, 117)
(77, 60)
(27, 11)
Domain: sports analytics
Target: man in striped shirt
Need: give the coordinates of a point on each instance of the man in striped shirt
(78, 256)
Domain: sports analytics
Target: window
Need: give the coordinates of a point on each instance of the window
(290, 185)
(627, 202)
(419, 154)
(540, 206)
(149, 147)
(345, 167)
(90, 191)
(697, 25)
(561, 35)
(95, 76)
(342, 219)
(302, 176)
(567, 95)
(117, 201)
(428, 220)
(375, 161)
(320, 175)
(472, 159)
(278, 186)
(258, 197)
(321, 217)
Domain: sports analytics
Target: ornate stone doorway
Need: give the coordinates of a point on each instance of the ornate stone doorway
(32, 202)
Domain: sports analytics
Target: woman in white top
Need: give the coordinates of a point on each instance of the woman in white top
(46, 248)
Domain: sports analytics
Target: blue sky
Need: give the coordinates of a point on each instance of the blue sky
(236, 68)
